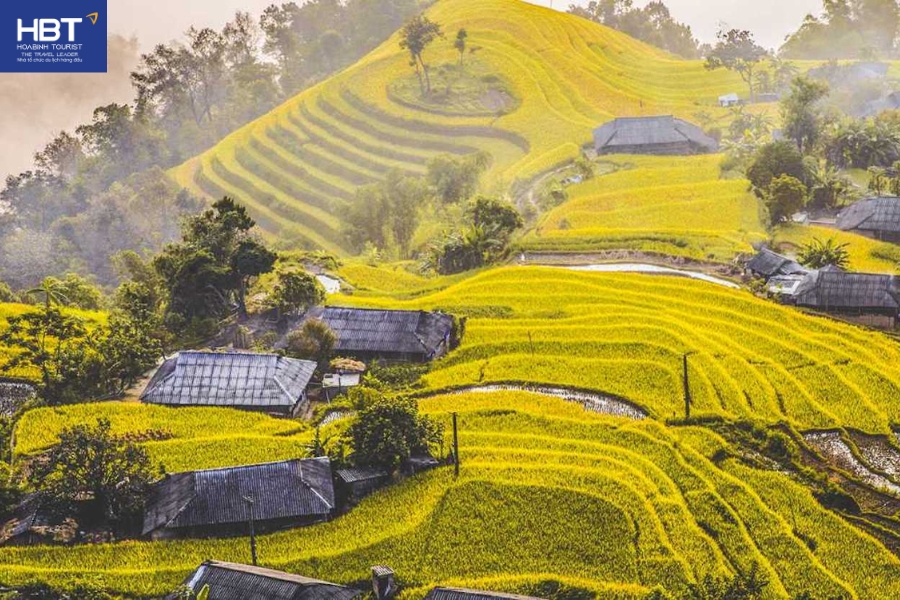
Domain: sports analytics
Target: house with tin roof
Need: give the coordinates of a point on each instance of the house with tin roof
(863, 298)
(218, 502)
(877, 218)
(231, 581)
(388, 335)
(663, 135)
(257, 382)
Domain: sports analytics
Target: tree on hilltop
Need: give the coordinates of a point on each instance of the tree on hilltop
(460, 44)
(416, 35)
(737, 51)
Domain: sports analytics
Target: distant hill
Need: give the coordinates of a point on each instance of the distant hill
(536, 82)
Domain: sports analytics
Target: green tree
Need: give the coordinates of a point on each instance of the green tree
(296, 291)
(90, 464)
(819, 254)
(785, 196)
(773, 160)
(314, 341)
(455, 179)
(460, 44)
(829, 187)
(60, 349)
(390, 430)
(495, 216)
(415, 36)
(801, 112)
(250, 259)
(75, 291)
(737, 51)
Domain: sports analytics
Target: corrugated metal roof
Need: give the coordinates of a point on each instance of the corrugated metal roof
(769, 264)
(230, 379)
(448, 593)
(837, 290)
(388, 331)
(230, 581)
(288, 489)
(356, 474)
(651, 131)
(873, 214)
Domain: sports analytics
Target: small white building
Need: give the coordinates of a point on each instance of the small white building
(729, 100)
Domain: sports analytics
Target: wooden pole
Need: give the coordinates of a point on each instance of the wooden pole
(687, 388)
(455, 447)
(250, 503)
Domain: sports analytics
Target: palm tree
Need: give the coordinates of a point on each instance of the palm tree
(818, 254)
(52, 289)
(829, 187)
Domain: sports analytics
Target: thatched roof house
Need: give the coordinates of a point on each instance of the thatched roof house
(230, 581)
(449, 593)
(877, 218)
(767, 264)
(861, 297)
(652, 135)
(259, 382)
(394, 335)
(215, 502)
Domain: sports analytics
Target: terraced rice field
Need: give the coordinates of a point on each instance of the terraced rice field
(298, 167)
(626, 335)
(179, 439)
(866, 255)
(547, 491)
(676, 206)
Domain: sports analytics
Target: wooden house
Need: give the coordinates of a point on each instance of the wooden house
(387, 335)
(230, 581)
(664, 135)
(257, 382)
(355, 483)
(864, 298)
(877, 218)
(217, 502)
(767, 264)
(28, 524)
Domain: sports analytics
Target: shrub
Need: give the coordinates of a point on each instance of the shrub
(772, 161)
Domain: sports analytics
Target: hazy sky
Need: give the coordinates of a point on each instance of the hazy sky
(33, 107)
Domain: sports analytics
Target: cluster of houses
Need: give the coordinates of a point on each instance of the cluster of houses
(277, 495)
(866, 298)
(230, 581)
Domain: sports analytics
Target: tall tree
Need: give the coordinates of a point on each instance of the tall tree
(801, 112)
(415, 36)
(737, 51)
(460, 44)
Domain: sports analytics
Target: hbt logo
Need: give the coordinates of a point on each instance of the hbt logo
(48, 30)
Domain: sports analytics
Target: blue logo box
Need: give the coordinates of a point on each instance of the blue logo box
(53, 36)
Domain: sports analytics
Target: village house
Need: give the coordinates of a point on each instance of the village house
(729, 100)
(781, 274)
(230, 581)
(257, 382)
(218, 502)
(355, 483)
(387, 335)
(877, 218)
(664, 135)
(29, 524)
(863, 298)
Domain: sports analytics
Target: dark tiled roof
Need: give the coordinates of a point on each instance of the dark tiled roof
(447, 593)
(388, 331)
(356, 474)
(651, 131)
(873, 214)
(280, 490)
(230, 379)
(229, 581)
(768, 264)
(837, 290)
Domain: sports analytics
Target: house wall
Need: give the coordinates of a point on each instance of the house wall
(678, 149)
(234, 529)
